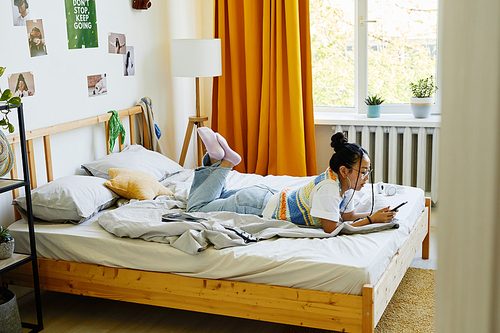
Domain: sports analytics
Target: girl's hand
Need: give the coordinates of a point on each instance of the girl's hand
(383, 215)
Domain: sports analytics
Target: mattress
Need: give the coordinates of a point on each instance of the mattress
(341, 264)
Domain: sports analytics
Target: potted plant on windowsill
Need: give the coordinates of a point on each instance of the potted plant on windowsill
(6, 243)
(422, 97)
(373, 104)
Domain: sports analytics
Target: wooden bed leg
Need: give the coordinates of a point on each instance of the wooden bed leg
(368, 309)
(426, 242)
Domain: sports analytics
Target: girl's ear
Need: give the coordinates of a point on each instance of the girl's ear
(343, 171)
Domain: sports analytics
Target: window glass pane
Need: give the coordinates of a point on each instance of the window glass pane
(332, 43)
(401, 46)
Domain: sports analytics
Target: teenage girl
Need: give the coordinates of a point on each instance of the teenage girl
(324, 202)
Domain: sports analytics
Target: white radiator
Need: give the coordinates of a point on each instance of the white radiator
(400, 155)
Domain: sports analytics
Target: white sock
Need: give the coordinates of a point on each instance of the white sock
(209, 138)
(230, 154)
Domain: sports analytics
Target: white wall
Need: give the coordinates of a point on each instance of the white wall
(61, 76)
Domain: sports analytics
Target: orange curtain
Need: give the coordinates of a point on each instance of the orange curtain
(263, 102)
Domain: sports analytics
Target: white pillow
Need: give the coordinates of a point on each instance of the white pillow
(68, 199)
(134, 157)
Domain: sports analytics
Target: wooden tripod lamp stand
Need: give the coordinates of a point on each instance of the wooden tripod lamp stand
(195, 58)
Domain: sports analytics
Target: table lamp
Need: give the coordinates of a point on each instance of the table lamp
(195, 58)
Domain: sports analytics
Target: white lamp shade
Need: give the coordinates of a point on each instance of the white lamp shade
(196, 57)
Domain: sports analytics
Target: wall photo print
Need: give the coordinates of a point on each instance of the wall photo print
(129, 62)
(36, 38)
(81, 24)
(20, 12)
(116, 43)
(97, 85)
(22, 84)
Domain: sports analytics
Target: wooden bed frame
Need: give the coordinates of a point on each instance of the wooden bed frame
(300, 307)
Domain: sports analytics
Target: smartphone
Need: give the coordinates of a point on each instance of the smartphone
(398, 206)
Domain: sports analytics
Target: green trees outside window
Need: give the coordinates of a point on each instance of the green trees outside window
(402, 48)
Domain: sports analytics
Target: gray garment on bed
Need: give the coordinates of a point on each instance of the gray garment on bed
(143, 219)
(147, 109)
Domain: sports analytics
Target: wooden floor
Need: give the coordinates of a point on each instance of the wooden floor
(79, 314)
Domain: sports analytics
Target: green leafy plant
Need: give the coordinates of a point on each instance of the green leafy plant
(374, 100)
(4, 235)
(6, 96)
(423, 88)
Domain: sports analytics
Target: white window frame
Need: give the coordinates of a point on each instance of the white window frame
(361, 70)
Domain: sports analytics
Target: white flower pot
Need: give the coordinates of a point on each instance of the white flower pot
(6, 249)
(421, 107)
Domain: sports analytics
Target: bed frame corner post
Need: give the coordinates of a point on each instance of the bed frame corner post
(368, 315)
(426, 242)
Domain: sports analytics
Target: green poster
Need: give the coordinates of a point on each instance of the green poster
(81, 21)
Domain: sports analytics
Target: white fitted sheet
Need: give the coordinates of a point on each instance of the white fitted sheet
(340, 264)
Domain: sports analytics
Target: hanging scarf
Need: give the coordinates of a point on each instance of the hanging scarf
(115, 129)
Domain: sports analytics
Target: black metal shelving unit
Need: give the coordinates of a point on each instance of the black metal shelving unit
(20, 259)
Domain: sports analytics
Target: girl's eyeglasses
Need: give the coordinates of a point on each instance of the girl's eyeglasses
(364, 175)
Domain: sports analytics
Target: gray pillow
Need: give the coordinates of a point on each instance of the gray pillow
(134, 157)
(72, 199)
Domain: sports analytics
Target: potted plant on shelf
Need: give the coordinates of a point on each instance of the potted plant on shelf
(373, 104)
(6, 154)
(422, 97)
(6, 98)
(6, 243)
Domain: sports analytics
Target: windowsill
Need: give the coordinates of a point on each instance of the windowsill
(344, 118)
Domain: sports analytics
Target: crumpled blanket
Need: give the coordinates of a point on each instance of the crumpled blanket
(143, 219)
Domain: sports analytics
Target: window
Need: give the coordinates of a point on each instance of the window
(362, 47)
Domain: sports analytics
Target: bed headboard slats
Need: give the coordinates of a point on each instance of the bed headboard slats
(45, 133)
(132, 129)
(145, 130)
(31, 162)
(48, 158)
(13, 174)
(106, 129)
(121, 145)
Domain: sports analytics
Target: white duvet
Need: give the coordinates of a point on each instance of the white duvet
(143, 219)
(340, 264)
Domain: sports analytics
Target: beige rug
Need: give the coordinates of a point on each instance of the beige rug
(410, 310)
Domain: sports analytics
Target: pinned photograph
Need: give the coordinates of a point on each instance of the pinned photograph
(97, 85)
(20, 12)
(22, 84)
(116, 43)
(129, 62)
(36, 38)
